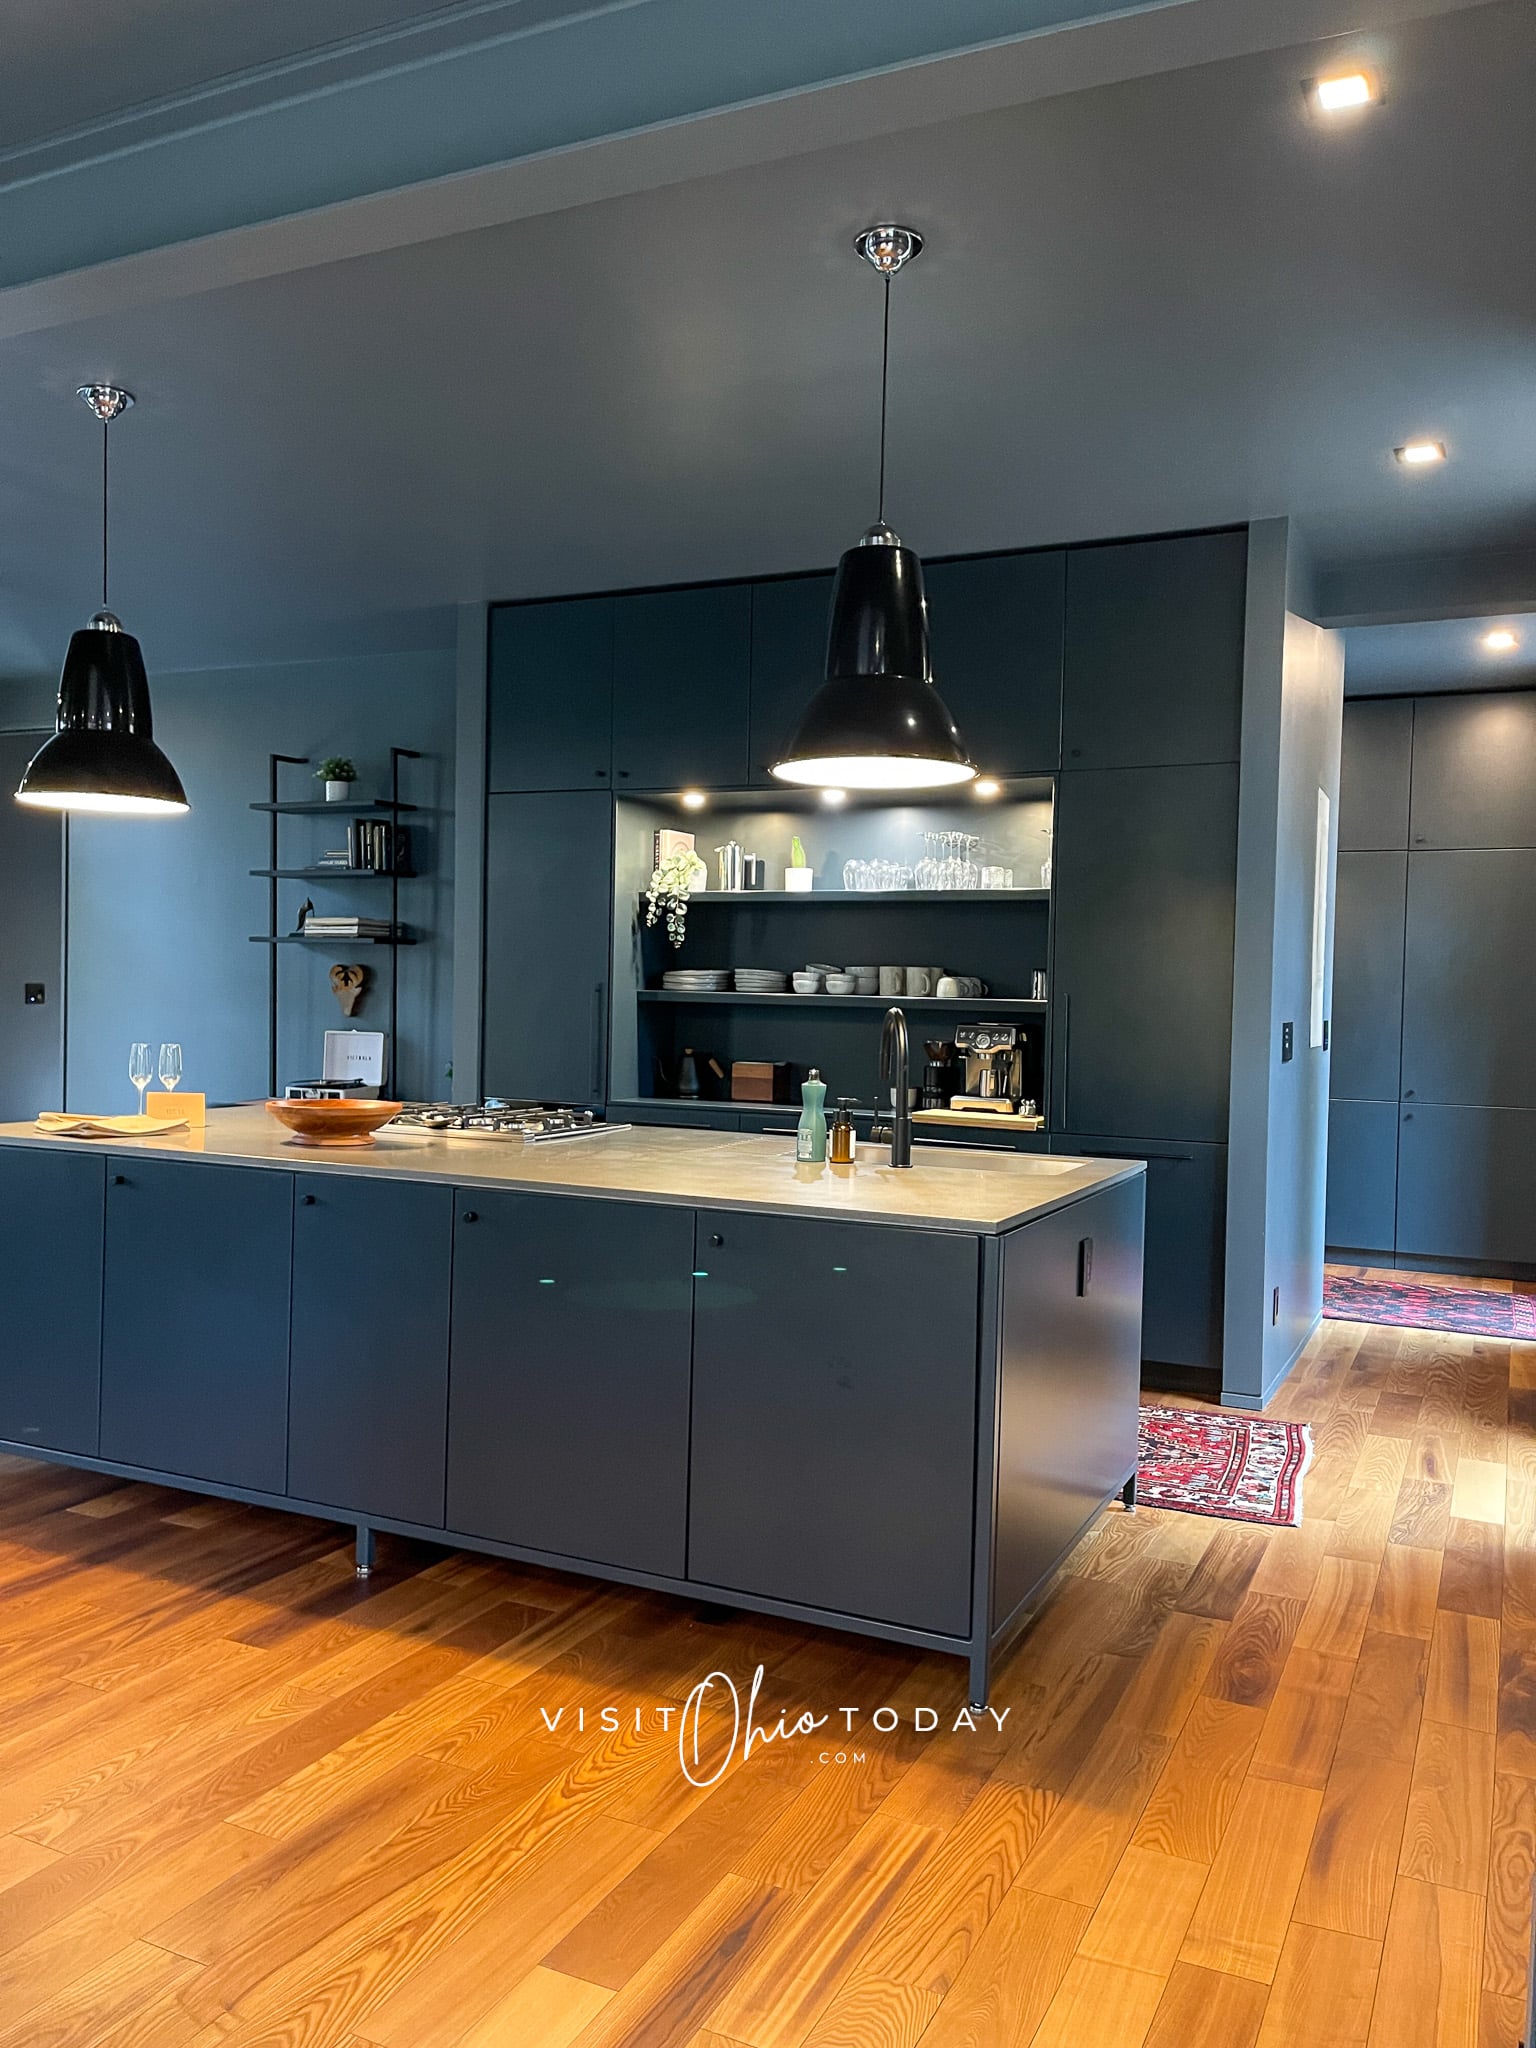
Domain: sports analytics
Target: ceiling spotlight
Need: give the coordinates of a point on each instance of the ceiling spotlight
(1502, 640)
(834, 797)
(1343, 90)
(1420, 454)
(988, 786)
(693, 799)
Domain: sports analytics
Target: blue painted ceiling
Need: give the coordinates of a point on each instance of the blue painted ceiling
(1168, 297)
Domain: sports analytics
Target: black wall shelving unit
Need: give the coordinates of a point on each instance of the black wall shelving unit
(276, 808)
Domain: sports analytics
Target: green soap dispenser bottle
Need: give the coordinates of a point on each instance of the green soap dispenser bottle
(811, 1135)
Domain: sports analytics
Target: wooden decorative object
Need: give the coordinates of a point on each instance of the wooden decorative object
(343, 1122)
(348, 985)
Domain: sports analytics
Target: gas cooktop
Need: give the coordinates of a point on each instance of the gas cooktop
(533, 1122)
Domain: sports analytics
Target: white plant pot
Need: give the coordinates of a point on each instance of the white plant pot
(337, 792)
(798, 880)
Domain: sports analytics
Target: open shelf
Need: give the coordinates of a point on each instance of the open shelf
(365, 807)
(334, 874)
(844, 898)
(1007, 1006)
(333, 939)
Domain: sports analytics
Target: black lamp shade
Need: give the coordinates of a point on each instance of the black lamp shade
(877, 722)
(103, 755)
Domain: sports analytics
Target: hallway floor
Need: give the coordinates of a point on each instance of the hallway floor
(1253, 1786)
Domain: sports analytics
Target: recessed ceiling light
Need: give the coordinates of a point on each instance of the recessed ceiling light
(988, 786)
(834, 797)
(1502, 640)
(1420, 454)
(694, 799)
(1343, 90)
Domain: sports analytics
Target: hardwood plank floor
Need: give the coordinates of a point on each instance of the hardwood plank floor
(1241, 1789)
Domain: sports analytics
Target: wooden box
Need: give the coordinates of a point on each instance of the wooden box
(762, 1081)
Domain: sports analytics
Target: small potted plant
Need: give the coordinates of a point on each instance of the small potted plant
(338, 775)
(797, 876)
(671, 882)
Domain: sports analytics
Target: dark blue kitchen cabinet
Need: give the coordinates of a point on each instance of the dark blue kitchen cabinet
(1474, 770)
(1186, 1245)
(368, 1385)
(1154, 651)
(680, 678)
(1370, 906)
(195, 1306)
(997, 623)
(51, 1210)
(834, 1416)
(1374, 773)
(548, 909)
(1145, 894)
(568, 1413)
(1469, 987)
(1466, 1184)
(789, 663)
(1362, 1176)
(551, 694)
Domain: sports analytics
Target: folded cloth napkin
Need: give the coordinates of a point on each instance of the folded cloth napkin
(61, 1126)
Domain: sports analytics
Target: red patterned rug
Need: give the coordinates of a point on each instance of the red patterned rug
(1426, 1305)
(1240, 1468)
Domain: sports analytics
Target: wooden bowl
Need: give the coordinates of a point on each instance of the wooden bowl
(344, 1122)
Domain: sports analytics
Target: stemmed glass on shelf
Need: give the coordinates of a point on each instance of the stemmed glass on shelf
(170, 1067)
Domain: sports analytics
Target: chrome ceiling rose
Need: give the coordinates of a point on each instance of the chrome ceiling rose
(105, 400)
(888, 247)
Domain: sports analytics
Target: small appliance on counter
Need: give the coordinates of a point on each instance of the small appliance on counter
(994, 1068)
(942, 1075)
(351, 1068)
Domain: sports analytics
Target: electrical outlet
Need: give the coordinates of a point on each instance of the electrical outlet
(1274, 1312)
(1287, 1042)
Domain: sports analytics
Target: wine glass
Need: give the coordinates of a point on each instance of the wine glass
(170, 1067)
(140, 1072)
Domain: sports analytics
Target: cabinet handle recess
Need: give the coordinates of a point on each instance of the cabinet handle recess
(716, 1238)
(119, 1180)
(471, 1215)
(598, 992)
(308, 1201)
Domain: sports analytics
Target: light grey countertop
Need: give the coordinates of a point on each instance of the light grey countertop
(947, 1187)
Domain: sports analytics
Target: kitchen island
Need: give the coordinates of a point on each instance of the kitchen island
(887, 1401)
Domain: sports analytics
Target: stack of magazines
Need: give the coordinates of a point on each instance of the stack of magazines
(346, 927)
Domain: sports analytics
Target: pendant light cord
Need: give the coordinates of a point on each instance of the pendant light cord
(885, 378)
(104, 431)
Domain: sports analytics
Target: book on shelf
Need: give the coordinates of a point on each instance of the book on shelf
(375, 845)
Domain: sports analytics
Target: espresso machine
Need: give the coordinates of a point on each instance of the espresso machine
(994, 1067)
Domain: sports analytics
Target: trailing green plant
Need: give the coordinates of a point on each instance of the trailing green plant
(667, 897)
(336, 768)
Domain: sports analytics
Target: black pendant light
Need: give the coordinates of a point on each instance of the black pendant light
(103, 756)
(877, 722)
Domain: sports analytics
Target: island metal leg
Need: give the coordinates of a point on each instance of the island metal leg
(1128, 1494)
(981, 1677)
(365, 1550)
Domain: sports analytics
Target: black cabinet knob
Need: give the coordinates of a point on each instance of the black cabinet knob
(471, 1215)
(308, 1201)
(716, 1238)
(623, 775)
(601, 774)
(119, 1180)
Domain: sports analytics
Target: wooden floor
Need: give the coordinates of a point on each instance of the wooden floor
(1273, 1788)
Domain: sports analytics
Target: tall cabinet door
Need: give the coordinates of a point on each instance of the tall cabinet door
(1146, 879)
(548, 906)
(368, 1393)
(1368, 976)
(194, 1353)
(997, 624)
(551, 694)
(1154, 651)
(569, 1413)
(789, 663)
(834, 1416)
(680, 667)
(50, 1334)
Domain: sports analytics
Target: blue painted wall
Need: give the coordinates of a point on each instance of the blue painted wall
(160, 912)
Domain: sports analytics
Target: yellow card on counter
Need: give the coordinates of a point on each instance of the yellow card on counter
(193, 1108)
